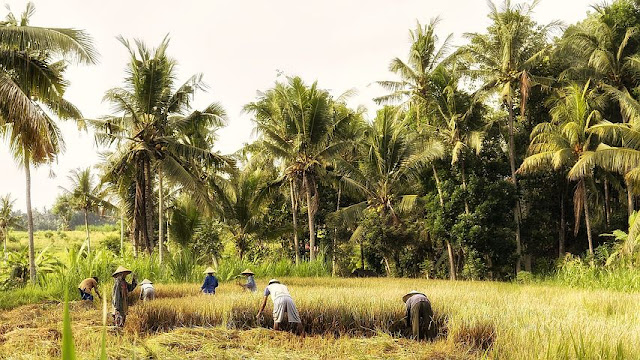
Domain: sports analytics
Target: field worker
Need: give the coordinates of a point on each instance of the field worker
(419, 315)
(251, 282)
(210, 282)
(147, 292)
(86, 286)
(120, 295)
(282, 305)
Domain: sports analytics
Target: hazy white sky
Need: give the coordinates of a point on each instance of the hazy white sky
(240, 46)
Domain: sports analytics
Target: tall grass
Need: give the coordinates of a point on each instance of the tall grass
(579, 273)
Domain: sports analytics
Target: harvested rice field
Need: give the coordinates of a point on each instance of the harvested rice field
(344, 318)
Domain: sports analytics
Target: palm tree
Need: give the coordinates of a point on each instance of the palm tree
(33, 62)
(561, 143)
(619, 152)
(242, 204)
(503, 59)
(385, 178)
(86, 196)
(155, 130)
(454, 120)
(414, 89)
(8, 220)
(420, 93)
(608, 59)
(298, 125)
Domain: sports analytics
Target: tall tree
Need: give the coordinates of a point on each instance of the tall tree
(87, 197)
(385, 178)
(297, 124)
(417, 92)
(561, 143)
(150, 133)
(503, 59)
(33, 61)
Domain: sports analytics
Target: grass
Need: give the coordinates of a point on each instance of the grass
(346, 318)
(59, 241)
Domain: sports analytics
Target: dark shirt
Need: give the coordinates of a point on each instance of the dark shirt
(121, 290)
(414, 300)
(210, 284)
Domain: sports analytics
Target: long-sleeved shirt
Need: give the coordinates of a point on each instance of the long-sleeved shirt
(413, 300)
(120, 295)
(210, 284)
(251, 283)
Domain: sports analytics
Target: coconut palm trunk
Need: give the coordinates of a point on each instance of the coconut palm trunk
(148, 181)
(5, 235)
(464, 186)
(563, 226)
(294, 211)
(630, 205)
(32, 258)
(86, 228)
(121, 233)
(586, 215)
(160, 222)
(335, 235)
(310, 188)
(514, 179)
(607, 207)
(452, 266)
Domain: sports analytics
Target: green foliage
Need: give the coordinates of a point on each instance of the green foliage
(68, 347)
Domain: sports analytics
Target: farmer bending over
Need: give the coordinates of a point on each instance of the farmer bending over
(210, 282)
(419, 316)
(282, 304)
(147, 292)
(120, 295)
(86, 286)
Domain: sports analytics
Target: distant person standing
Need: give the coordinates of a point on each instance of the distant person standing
(86, 286)
(251, 282)
(147, 291)
(282, 306)
(419, 316)
(210, 282)
(119, 298)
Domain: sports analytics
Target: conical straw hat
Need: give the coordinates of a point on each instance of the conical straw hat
(121, 269)
(209, 270)
(410, 294)
(146, 281)
(247, 272)
(274, 281)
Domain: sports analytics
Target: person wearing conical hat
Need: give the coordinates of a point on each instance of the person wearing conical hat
(251, 282)
(283, 306)
(210, 282)
(419, 317)
(119, 298)
(147, 292)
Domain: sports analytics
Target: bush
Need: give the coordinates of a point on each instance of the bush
(112, 243)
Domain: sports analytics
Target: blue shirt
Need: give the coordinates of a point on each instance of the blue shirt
(251, 283)
(210, 284)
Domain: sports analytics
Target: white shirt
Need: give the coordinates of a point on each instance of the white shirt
(276, 291)
(145, 287)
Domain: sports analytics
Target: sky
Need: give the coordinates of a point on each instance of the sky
(241, 47)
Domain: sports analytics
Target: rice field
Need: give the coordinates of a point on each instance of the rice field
(344, 318)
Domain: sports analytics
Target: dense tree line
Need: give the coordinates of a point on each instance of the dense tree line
(469, 169)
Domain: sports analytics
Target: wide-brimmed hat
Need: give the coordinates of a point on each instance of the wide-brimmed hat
(146, 281)
(247, 272)
(121, 269)
(410, 294)
(209, 270)
(274, 281)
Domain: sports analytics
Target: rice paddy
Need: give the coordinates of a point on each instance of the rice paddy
(344, 318)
